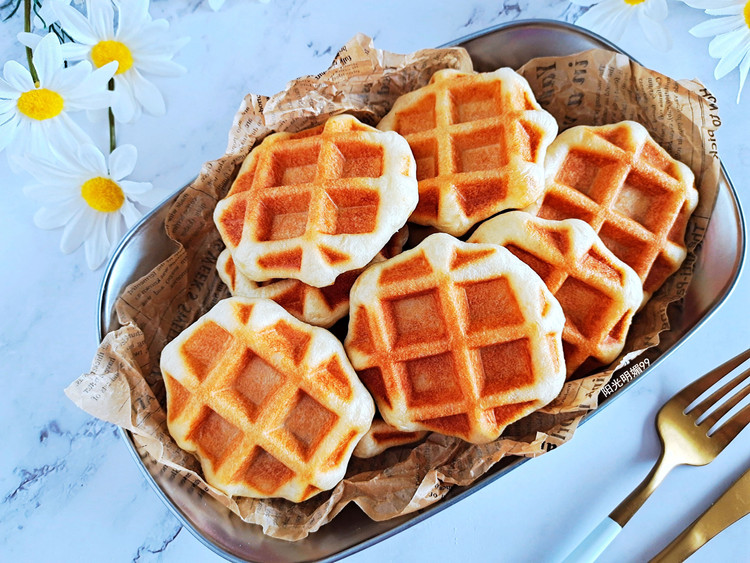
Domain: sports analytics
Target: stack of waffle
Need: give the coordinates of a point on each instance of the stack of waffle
(570, 235)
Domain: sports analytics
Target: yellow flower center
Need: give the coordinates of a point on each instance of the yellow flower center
(634, 2)
(40, 104)
(107, 51)
(103, 194)
(746, 13)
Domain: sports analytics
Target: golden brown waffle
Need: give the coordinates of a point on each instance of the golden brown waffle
(598, 292)
(382, 436)
(479, 141)
(315, 204)
(319, 306)
(269, 405)
(456, 337)
(635, 196)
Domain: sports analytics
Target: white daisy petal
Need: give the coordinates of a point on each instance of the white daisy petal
(66, 82)
(8, 132)
(7, 107)
(50, 194)
(122, 161)
(132, 16)
(48, 218)
(74, 23)
(97, 245)
(732, 59)
(94, 82)
(160, 67)
(8, 91)
(130, 213)
(101, 15)
(135, 189)
(655, 9)
(716, 26)
(123, 103)
(656, 33)
(92, 160)
(30, 40)
(115, 228)
(147, 94)
(734, 9)
(77, 229)
(47, 58)
(75, 51)
(51, 174)
(17, 76)
(722, 44)
(605, 19)
(148, 199)
(744, 67)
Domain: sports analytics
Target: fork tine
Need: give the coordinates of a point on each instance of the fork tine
(728, 405)
(729, 430)
(717, 395)
(702, 384)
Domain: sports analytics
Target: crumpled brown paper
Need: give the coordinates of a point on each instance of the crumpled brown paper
(124, 385)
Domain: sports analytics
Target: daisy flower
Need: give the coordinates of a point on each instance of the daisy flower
(610, 18)
(89, 197)
(34, 116)
(139, 46)
(731, 29)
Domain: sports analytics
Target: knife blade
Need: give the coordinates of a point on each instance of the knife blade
(730, 507)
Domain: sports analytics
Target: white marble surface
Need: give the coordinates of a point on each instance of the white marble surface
(69, 490)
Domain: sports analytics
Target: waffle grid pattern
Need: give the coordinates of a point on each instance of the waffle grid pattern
(635, 196)
(266, 404)
(314, 204)
(441, 350)
(479, 141)
(319, 306)
(599, 294)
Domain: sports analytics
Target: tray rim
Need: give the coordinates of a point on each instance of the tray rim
(419, 516)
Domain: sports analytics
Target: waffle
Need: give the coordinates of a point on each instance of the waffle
(456, 337)
(479, 140)
(635, 196)
(269, 405)
(382, 436)
(319, 306)
(598, 292)
(315, 204)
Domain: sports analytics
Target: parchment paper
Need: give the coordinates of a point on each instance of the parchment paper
(124, 385)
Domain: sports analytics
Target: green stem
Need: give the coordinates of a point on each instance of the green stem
(112, 139)
(27, 29)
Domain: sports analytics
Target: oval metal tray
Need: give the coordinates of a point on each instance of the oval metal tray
(146, 245)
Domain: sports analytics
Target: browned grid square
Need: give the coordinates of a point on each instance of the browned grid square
(603, 183)
(436, 371)
(450, 151)
(586, 304)
(290, 414)
(310, 184)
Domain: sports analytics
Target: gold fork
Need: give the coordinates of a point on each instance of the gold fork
(685, 440)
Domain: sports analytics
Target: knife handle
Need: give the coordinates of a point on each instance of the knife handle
(591, 547)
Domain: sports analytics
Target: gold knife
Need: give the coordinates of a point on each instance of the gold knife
(731, 506)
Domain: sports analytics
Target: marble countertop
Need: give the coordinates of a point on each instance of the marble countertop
(69, 489)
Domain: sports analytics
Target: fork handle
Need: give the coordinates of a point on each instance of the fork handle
(596, 542)
(599, 538)
(628, 507)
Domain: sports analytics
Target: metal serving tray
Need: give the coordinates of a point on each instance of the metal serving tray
(718, 267)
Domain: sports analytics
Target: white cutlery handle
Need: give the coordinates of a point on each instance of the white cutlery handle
(591, 547)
